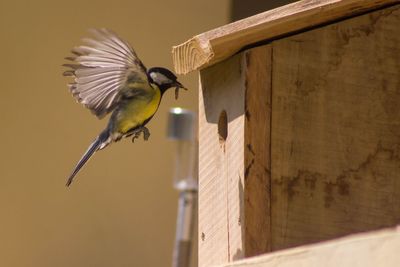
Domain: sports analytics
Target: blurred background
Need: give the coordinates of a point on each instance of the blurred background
(121, 210)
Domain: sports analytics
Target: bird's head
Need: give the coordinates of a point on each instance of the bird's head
(164, 79)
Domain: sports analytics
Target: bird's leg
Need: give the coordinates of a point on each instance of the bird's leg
(146, 133)
(137, 132)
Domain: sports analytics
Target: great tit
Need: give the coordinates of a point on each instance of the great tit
(109, 77)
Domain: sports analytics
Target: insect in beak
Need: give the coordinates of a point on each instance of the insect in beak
(178, 86)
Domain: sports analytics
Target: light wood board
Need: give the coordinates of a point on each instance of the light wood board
(374, 249)
(234, 176)
(216, 45)
(221, 165)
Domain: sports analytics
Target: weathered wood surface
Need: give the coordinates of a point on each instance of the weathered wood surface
(311, 149)
(213, 46)
(257, 175)
(231, 165)
(336, 130)
(368, 250)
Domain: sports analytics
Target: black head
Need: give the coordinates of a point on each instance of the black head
(163, 78)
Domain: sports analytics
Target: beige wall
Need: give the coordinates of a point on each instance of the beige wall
(121, 210)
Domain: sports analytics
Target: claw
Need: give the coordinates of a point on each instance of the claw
(136, 134)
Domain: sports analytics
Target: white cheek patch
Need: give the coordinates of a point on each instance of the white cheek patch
(159, 78)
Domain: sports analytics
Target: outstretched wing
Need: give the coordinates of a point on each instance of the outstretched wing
(101, 69)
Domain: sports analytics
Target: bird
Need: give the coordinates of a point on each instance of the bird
(109, 77)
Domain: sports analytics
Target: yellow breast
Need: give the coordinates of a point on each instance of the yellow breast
(139, 110)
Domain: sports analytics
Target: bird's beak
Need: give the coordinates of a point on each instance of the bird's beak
(178, 86)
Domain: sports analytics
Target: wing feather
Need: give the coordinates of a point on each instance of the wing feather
(101, 69)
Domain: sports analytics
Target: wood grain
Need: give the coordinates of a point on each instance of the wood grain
(368, 250)
(312, 146)
(213, 46)
(257, 175)
(221, 164)
(336, 130)
(234, 164)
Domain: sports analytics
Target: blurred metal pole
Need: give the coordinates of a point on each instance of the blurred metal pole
(181, 129)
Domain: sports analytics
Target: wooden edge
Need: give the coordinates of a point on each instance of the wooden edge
(218, 44)
(191, 55)
(378, 248)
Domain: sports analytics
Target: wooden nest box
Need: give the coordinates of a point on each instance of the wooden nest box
(299, 132)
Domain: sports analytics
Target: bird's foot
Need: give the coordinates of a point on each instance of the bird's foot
(146, 134)
(136, 134)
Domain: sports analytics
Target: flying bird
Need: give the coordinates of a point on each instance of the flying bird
(110, 78)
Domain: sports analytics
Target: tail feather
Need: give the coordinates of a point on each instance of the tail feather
(99, 143)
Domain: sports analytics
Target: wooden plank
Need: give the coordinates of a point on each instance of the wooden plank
(221, 164)
(336, 130)
(234, 178)
(379, 248)
(257, 179)
(213, 46)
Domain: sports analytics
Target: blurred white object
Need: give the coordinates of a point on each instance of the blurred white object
(182, 129)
